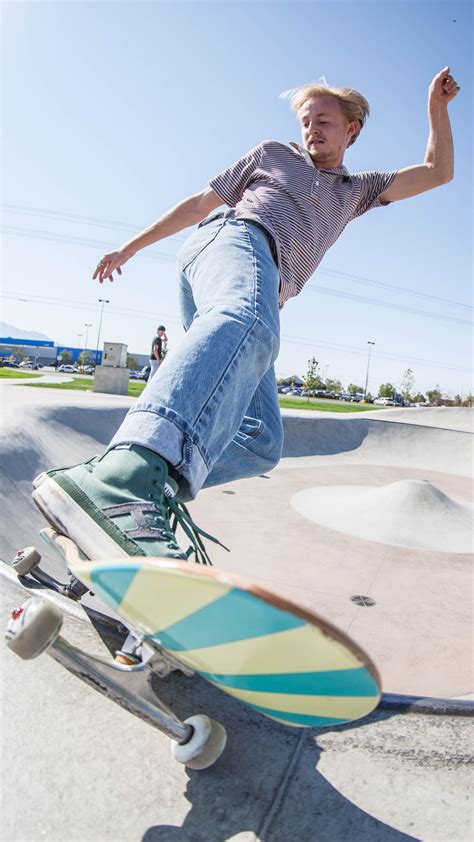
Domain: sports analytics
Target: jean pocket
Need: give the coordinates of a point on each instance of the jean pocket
(197, 242)
(210, 218)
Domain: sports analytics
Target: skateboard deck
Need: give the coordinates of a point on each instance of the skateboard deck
(275, 656)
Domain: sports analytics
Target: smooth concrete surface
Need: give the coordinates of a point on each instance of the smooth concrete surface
(93, 772)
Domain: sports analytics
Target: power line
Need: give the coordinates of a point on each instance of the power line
(392, 288)
(75, 217)
(150, 254)
(351, 349)
(112, 224)
(69, 239)
(354, 297)
(290, 339)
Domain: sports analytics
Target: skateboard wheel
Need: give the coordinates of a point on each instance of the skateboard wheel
(204, 747)
(33, 628)
(26, 560)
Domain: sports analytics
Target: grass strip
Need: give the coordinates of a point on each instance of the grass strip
(15, 374)
(325, 406)
(135, 388)
(83, 384)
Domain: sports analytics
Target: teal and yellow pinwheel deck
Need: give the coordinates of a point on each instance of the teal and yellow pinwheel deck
(275, 656)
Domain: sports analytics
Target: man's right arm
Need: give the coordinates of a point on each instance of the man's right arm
(188, 212)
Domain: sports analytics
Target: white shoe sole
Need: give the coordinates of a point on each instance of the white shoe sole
(69, 519)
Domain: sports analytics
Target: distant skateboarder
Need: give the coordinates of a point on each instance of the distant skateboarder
(211, 414)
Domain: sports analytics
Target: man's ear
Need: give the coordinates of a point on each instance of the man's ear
(353, 128)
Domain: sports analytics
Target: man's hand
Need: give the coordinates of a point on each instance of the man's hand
(110, 263)
(443, 88)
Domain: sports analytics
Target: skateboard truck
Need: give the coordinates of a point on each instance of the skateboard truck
(35, 628)
(26, 563)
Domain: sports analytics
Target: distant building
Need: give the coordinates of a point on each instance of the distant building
(46, 352)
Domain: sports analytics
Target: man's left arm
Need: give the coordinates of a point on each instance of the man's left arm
(438, 166)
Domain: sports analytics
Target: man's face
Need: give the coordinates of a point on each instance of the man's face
(325, 130)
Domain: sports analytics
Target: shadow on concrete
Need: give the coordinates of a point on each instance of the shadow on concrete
(239, 794)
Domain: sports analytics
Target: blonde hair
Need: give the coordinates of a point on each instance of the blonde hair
(354, 106)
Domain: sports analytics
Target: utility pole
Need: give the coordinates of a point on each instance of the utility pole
(87, 326)
(102, 301)
(369, 343)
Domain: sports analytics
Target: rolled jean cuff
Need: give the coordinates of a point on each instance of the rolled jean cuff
(164, 432)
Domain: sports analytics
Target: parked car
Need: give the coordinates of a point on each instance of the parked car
(145, 373)
(29, 364)
(135, 374)
(383, 402)
(68, 369)
(8, 364)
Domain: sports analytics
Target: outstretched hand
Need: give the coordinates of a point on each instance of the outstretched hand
(110, 263)
(443, 87)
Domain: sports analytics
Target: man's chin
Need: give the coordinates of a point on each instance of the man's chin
(319, 154)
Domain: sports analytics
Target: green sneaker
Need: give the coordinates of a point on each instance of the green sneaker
(119, 504)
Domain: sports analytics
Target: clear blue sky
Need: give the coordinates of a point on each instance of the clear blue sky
(115, 111)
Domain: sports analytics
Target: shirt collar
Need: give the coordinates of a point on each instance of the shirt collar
(307, 157)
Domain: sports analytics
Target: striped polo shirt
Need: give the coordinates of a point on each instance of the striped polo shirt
(305, 209)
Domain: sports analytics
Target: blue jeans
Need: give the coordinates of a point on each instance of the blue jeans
(211, 410)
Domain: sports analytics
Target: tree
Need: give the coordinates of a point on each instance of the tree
(457, 400)
(434, 396)
(312, 380)
(65, 356)
(419, 398)
(386, 390)
(84, 357)
(131, 362)
(407, 384)
(333, 385)
(18, 352)
(352, 387)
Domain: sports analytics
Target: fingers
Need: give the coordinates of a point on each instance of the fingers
(444, 85)
(105, 268)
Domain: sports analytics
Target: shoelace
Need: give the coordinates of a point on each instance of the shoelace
(182, 517)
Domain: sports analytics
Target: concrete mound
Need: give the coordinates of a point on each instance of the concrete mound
(407, 513)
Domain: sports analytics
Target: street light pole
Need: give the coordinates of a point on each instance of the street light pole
(101, 301)
(369, 343)
(87, 326)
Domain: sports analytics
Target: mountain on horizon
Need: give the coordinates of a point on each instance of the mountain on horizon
(11, 332)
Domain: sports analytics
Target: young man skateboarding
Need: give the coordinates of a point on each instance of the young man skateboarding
(210, 414)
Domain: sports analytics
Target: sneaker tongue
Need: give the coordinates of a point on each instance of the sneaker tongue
(132, 463)
(171, 487)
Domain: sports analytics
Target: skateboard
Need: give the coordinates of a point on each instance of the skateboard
(271, 654)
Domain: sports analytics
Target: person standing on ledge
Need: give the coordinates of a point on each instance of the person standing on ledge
(211, 414)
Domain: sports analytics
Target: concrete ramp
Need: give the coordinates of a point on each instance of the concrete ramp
(273, 784)
(379, 441)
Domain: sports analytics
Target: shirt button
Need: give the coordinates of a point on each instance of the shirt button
(317, 184)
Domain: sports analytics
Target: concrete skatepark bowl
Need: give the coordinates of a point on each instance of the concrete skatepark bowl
(365, 521)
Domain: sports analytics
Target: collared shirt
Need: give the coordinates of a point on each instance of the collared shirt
(305, 209)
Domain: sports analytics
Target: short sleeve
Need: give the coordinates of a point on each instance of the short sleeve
(370, 186)
(231, 183)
